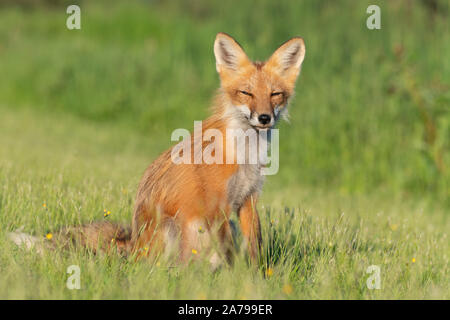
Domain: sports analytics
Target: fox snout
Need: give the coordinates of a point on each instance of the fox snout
(262, 120)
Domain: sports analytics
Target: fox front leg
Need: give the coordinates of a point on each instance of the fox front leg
(250, 227)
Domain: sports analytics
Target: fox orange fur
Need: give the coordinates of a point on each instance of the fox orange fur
(190, 202)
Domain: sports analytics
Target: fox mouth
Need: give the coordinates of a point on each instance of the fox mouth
(259, 127)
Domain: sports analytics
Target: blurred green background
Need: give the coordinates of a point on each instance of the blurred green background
(372, 106)
(83, 112)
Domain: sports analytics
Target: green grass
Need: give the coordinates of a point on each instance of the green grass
(364, 163)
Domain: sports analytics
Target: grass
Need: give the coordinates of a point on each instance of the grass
(364, 163)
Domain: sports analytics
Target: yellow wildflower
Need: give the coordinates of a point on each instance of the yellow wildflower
(201, 296)
(287, 289)
(394, 227)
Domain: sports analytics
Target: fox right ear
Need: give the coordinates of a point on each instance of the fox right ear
(229, 54)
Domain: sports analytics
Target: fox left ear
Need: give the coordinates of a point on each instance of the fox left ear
(288, 58)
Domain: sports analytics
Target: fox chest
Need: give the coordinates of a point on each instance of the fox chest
(246, 181)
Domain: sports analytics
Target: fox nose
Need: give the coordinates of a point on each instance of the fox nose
(264, 118)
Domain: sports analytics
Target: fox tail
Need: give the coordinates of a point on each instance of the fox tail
(95, 237)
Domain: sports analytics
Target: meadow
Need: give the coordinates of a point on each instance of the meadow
(364, 161)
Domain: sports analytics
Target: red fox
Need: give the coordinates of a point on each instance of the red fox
(189, 201)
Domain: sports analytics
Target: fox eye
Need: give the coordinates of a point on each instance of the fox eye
(273, 94)
(246, 93)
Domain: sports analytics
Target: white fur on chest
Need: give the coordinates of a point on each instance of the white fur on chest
(246, 181)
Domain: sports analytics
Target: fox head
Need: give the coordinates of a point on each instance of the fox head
(257, 93)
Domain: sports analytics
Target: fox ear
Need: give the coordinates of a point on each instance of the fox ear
(229, 54)
(288, 58)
